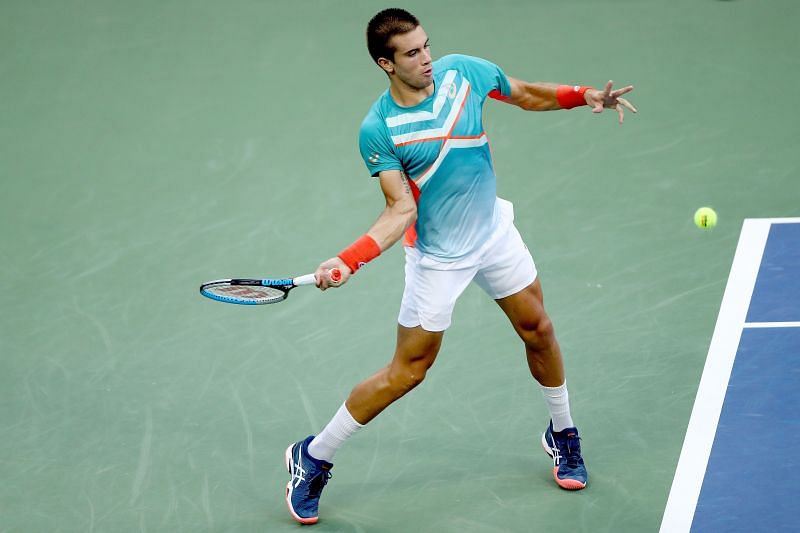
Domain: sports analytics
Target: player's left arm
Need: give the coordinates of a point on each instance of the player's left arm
(543, 96)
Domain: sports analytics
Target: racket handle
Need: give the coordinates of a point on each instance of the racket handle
(309, 279)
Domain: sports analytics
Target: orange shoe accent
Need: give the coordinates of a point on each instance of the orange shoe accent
(306, 521)
(568, 484)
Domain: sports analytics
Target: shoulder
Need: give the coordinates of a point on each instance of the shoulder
(484, 75)
(373, 131)
(375, 119)
(461, 62)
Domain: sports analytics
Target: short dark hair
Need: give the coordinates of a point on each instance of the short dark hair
(384, 26)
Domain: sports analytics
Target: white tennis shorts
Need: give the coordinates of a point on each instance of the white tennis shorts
(501, 267)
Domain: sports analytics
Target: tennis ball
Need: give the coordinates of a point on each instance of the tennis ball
(705, 218)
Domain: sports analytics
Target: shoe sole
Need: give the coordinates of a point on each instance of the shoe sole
(289, 488)
(567, 484)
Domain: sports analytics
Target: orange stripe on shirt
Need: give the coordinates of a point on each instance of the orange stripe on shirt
(439, 137)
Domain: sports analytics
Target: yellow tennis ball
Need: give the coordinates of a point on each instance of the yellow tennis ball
(705, 218)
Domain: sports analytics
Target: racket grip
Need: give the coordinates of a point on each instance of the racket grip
(336, 275)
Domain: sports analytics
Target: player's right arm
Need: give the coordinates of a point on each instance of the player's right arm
(400, 210)
(399, 213)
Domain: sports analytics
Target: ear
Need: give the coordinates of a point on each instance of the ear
(386, 65)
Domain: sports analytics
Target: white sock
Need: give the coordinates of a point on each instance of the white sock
(338, 430)
(557, 399)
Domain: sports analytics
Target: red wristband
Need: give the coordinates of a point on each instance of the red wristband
(570, 96)
(361, 252)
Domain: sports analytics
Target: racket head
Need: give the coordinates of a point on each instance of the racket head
(246, 291)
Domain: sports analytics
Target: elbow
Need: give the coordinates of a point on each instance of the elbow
(408, 210)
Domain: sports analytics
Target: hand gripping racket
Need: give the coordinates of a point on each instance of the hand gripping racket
(257, 291)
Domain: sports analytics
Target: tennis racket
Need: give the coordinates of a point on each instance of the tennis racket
(257, 291)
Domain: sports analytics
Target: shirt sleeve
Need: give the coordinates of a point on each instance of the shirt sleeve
(376, 148)
(484, 75)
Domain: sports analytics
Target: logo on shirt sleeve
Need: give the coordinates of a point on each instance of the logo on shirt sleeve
(374, 158)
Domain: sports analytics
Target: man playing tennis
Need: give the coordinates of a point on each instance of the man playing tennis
(424, 140)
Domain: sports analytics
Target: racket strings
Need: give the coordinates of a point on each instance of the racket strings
(248, 293)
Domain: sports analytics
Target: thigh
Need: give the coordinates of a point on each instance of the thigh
(416, 346)
(507, 268)
(525, 308)
(431, 291)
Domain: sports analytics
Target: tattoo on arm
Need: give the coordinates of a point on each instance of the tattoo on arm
(405, 182)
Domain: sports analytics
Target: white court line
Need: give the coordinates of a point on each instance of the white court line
(772, 325)
(699, 438)
(795, 220)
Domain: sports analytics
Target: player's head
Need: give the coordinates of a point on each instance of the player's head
(399, 45)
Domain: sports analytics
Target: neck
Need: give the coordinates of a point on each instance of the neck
(405, 95)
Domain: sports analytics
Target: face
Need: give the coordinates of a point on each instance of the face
(412, 59)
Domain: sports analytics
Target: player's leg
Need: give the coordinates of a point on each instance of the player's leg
(509, 276)
(525, 310)
(425, 314)
(309, 461)
(415, 353)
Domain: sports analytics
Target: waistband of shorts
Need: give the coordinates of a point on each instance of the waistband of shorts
(504, 221)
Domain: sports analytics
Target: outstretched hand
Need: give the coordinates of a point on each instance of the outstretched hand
(598, 100)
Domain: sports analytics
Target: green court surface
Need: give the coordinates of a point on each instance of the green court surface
(148, 146)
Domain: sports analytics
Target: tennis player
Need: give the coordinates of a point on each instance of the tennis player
(424, 141)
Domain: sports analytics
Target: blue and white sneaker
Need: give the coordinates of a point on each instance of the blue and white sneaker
(308, 478)
(565, 449)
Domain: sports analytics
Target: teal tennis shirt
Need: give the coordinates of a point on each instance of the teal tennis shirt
(440, 144)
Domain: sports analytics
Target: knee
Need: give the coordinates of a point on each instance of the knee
(403, 378)
(406, 379)
(538, 334)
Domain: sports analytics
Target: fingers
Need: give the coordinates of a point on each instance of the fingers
(319, 276)
(330, 279)
(332, 274)
(329, 274)
(607, 90)
(627, 104)
(620, 92)
(611, 99)
(334, 277)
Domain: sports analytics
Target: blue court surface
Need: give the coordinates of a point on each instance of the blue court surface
(738, 469)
